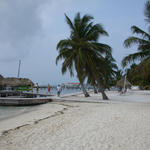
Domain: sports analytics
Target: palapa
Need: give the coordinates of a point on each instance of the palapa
(121, 83)
(1, 77)
(15, 82)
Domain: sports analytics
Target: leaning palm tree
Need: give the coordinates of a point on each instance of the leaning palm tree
(106, 70)
(109, 71)
(78, 51)
(143, 42)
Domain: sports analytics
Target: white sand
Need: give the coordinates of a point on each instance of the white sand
(115, 125)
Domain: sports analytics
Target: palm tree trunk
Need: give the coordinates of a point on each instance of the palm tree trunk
(100, 88)
(80, 77)
(95, 90)
(86, 94)
(102, 92)
(104, 95)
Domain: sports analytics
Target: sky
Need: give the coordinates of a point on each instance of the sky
(31, 29)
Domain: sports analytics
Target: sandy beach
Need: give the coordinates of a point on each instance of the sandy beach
(122, 123)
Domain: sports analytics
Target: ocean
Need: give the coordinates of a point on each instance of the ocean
(54, 91)
(11, 111)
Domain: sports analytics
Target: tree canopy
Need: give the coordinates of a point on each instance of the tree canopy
(142, 42)
(82, 51)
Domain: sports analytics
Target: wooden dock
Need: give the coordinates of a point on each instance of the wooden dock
(14, 98)
(25, 94)
(24, 101)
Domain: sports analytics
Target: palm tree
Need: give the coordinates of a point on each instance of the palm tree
(119, 75)
(109, 71)
(106, 70)
(143, 42)
(81, 49)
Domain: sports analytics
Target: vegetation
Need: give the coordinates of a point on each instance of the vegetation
(119, 75)
(143, 42)
(82, 52)
(139, 74)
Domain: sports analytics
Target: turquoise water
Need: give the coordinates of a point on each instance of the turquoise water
(54, 91)
(8, 111)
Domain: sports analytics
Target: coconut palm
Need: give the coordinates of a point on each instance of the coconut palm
(143, 42)
(95, 70)
(81, 49)
(109, 71)
(106, 69)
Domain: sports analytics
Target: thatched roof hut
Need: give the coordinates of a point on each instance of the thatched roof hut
(1, 77)
(120, 83)
(15, 82)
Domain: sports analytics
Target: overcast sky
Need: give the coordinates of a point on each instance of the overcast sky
(31, 29)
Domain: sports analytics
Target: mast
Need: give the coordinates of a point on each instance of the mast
(19, 69)
(125, 78)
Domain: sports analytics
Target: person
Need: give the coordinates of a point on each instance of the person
(58, 90)
(31, 88)
(37, 88)
(49, 88)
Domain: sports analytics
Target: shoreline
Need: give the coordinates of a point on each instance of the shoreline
(81, 120)
(27, 117)
(30, 107)
(26, 109)
(79, 98)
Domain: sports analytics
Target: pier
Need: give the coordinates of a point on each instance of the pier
(15, 98)
(24, 101)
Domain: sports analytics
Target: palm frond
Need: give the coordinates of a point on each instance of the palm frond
(86, 19)
(143, 47)
(66, 67)
(147, 11)
(101, 48)
(134, 40)
(136, 56)
(139, 31)
(95, 31)
(66, 43)
(63, 53)
(69, 22)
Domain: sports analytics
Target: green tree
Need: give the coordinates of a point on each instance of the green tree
(119, 75)
(109, 71)
(82, 49)
(140, 74)
(143, 42)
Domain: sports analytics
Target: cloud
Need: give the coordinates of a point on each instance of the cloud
(31, 29)
(20, 24)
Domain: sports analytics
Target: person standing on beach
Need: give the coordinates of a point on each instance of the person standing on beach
(49, 88)
(58, 90)
(31, 87)
(37, 88)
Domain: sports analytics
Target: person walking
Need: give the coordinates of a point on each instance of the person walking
(59, 90)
